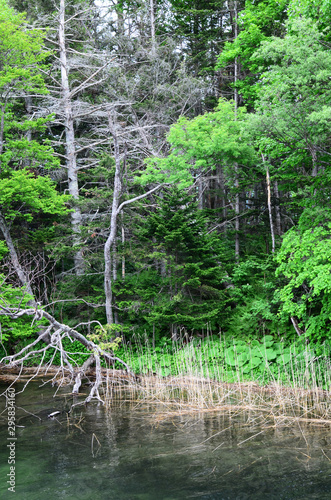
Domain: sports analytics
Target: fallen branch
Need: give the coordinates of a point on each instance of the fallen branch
(53, 337)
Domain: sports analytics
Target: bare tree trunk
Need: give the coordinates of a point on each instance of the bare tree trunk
(114, 263)
(277, 207)
(237, 201)
(200, 193)
(296, 326)
(113, 224)
(152, 18)
(269, 206)
(237, 211)
(123, 258)
(55, 344)
(28, 107)
(14, 257)
(116, 209)
(223, 201)
(2, 129)
(315, 166)
(76, 215)
(236, 59)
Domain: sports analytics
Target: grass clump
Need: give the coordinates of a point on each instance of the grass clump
(268, 375)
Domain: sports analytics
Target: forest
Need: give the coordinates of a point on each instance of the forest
(164, 170)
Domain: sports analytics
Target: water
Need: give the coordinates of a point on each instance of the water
(133, 453)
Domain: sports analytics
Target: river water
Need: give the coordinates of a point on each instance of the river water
(135, 451)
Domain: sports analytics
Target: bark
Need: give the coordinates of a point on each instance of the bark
(272, 232)
(2, 129)
(80, 374)
(152, 18)
(22, 276)
(315, 165)
(237, 200)
(28, 107)
(223, 195)
(296, 326)
(236, 66)
(71, 157)
(60, 331)
(237, 212)
(123, 258)
(109, 244)
(113, 224)
(277, 207)
(115, 264)
(200, 192)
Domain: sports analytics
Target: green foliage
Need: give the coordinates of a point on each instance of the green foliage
(253, 289)
(293, 95)
(318, 10)
(199, 144)
(3, 249)
(104, 337)
(14, 330)
(259, 21)
(35, 194)
(304, 260)
(22, 61)
(186, 290)
(201, 26)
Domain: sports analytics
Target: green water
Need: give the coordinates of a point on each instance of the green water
(131, 453)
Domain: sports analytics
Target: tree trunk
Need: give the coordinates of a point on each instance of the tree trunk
(2, 129)
(237, 201)
(113, 224)
(152, 18)
(237, 211)
(236, 69)
(14, 257)
(277, 207)
(76, 215)
(115, 211)
(123, 258)
(269, 206)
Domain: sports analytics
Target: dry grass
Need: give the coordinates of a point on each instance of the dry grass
(296, 394)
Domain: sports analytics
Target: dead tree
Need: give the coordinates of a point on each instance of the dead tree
(51, 338)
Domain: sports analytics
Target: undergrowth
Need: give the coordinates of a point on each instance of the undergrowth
(263, 361)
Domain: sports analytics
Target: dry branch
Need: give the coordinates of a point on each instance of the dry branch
(53, 337)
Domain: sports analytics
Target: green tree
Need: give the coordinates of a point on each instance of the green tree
(176, 283)
(258, 22)
(211, 144)
(304, 266)
(24, 158)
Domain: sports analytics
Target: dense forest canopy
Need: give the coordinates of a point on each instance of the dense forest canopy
(164, 169)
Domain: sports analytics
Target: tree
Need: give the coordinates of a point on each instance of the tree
(208, 144)
(25, 192)
(292, 120)
(23, 189)
(258, 22)
(304, 266)
(182, 289)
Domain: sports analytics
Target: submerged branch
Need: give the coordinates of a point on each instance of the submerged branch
(55, 341)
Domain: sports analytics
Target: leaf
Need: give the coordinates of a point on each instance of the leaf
(252, 363)
(283, 359)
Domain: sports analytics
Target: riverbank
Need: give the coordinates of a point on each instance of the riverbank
(184, 394)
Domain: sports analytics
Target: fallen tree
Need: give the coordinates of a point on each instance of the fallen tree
(50, 338)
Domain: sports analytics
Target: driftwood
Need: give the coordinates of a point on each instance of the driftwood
(53, 337)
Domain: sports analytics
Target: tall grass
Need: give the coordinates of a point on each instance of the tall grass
(215, 375)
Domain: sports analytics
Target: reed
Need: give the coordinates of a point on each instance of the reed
(200, 376)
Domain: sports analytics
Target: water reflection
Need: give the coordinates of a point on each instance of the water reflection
(133, 452)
